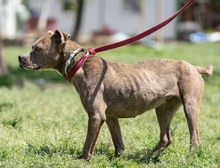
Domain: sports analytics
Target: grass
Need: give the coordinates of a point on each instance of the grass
(43, 123)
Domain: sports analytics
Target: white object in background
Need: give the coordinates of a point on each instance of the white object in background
(8, 19)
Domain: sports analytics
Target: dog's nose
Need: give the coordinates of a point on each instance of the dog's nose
(19, 58)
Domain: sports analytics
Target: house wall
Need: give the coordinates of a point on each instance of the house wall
(113, 14)
(126, 21)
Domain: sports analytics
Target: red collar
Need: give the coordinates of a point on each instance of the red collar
(76, 67)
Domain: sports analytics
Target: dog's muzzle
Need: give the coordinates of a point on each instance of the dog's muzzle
(23, 64)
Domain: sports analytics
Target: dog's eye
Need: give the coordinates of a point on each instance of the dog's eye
(37, 49)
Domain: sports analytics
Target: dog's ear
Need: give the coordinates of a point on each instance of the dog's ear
(66, 36)
(50, 32)
(60, 37)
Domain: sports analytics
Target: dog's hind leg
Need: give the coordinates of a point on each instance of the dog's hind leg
(191, 106)
(115, 131)
(165, 113)
(191, 110)
(191, 91)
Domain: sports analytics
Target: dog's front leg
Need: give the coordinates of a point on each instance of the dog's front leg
(94, 125)
(115, 131)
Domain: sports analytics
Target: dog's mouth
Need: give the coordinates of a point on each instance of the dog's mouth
(23, 64)
(29, 67)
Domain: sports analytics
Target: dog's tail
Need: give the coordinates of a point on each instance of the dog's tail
(207, 71)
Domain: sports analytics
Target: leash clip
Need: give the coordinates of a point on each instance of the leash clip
(72, 56)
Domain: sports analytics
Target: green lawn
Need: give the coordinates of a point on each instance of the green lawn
(43, 123)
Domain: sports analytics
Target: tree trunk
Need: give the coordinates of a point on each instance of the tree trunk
(3, 69)
(76, 29)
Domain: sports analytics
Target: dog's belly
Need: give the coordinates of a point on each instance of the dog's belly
(127, 108)
(134, 100)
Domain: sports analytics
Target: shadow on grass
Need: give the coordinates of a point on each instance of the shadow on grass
(46, 150)
(16, 76)
(5, 106)
(140, 156)
(143, 156)
(12, 122)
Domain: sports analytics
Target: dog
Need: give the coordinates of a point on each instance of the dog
(109, 90)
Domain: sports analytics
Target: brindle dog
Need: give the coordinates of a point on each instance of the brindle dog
(109, 90)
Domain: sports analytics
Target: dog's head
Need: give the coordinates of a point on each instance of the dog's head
(47, 52)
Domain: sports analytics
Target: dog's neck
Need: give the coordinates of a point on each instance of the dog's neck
(65, 51)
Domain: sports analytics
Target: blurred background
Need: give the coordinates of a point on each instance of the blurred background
(21, 20)
(104, 21)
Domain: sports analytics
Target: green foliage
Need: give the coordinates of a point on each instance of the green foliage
(43, 123)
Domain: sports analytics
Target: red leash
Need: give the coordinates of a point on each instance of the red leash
(124, 42)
